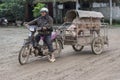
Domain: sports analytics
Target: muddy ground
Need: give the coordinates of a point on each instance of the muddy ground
(70, 66)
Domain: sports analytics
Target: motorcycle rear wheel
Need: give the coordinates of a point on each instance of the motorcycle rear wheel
(57, 46)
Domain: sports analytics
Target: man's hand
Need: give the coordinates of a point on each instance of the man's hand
(26, 25)
(44, 28)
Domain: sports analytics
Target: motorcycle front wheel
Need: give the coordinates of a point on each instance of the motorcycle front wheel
(24, 55)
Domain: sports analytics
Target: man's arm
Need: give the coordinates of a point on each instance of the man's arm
(49, 25)
(33, 22)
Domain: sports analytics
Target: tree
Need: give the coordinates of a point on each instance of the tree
(12, 9)
(36, 10)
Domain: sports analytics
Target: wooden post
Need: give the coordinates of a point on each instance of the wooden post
(77, 5)
(54, 10)
(111, 15)
(26, 11)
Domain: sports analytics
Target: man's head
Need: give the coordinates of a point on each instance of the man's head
(44, 11)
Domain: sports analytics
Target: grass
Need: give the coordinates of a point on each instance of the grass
(116, 25)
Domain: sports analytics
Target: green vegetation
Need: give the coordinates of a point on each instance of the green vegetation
(12, 9)
(36, 10)
(15, 9)
(116, 25)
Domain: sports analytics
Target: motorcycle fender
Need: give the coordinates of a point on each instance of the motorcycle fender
(60, 40)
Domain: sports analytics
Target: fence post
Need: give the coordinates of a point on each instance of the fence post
(111, 14)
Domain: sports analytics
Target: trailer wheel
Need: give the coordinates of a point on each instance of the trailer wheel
(77, 47)
(97, 45)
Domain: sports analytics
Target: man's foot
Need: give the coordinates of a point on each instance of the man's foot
(51, 58)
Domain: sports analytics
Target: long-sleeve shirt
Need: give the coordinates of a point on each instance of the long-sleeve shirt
(43, 21)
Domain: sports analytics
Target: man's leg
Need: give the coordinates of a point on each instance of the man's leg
(48, 42)
(37, 39)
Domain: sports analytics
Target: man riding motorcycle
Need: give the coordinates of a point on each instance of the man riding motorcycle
(44, 23)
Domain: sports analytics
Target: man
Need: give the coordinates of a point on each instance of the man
(44, 23)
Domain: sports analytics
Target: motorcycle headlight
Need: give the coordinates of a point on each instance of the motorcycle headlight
(32, 29)
(6, 20)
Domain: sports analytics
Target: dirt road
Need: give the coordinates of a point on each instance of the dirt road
(70, 66)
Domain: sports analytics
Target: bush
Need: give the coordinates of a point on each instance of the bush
(36, 10)
(12, 9)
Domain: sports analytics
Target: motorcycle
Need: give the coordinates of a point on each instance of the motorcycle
(41, 50)
(3, 21)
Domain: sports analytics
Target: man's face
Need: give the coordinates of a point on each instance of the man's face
(43, 13)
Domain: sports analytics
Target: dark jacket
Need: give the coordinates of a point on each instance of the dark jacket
(43, 21)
